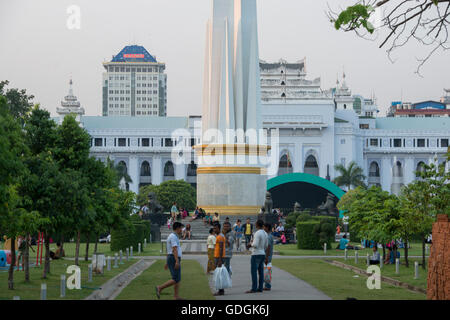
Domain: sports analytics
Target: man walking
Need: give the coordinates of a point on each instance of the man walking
(219, 252)
(248, 231)
(174, 254)
(229, 244)
(238, 230)
(259, 246)
(269, 253)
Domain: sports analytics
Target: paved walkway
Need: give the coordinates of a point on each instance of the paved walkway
(284, 285)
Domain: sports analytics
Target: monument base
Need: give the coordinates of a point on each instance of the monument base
(231, 193)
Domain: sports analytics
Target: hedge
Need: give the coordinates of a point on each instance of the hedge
(327, 219)
(130, 235)
(306, 237)
(314, 233)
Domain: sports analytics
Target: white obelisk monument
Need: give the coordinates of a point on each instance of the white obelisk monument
(230, 176)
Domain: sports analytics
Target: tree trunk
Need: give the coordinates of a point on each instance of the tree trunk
(26, 258)
(406, 253)
(13, 264)
(96, 243)
(62, 246)
(47, 256)
(77, 249)
(384, 252)
(423, 251)
(86, 256)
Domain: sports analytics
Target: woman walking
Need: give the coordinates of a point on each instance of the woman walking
(211, 244)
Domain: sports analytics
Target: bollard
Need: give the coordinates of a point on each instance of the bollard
(16, 298)
(90, 273)
(121, 257)
(346, 254)
(115, 261)
(43, 291)
(368, 260)
(139, 248)
(325, 248)
(397, 266)
(145, 243)
(108, 264)
(426, 249)
(131, 252)
(63, 286)
(127, 255)
(381, 262)
(416, 267)
(356, 257)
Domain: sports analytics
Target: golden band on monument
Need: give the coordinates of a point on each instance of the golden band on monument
(231, 170)
(232, 210)
(232, 149)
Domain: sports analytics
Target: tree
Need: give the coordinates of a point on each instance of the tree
(371, 212)
(401, 21)
(72, 152)
(38, 185)
(12, 151)
(18, 102)
(29, 223)
(168, 192)
(350, 176)
(427, 197)
(415, 204)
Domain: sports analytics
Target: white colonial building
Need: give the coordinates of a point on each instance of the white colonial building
(318, 129)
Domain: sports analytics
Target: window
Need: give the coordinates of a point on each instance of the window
(343, 161)
(342, 141)
(122, 142)
(421, 143)
(444, 143)
(374, 142)
(364, 126)
(397, 143)
(168, 142)
(146, 142)
(98, 142)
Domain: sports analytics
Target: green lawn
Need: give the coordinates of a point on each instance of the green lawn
(406, 274)
(152, 249)
(291, 250)
(340, 284)
(31, 290)
(194, 283)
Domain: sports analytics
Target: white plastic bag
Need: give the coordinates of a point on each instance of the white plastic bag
(222, 279)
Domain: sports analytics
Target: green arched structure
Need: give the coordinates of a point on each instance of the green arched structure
(306, 178)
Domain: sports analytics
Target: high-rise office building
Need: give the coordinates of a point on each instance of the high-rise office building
(134, 84)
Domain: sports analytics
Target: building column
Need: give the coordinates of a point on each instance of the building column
(409, 172)
(386, 174)
(156, 170)
(134, 174)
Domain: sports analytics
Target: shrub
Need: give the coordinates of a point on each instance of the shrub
(326, 219)
(306, 237)
(130, 235)
(314, 233)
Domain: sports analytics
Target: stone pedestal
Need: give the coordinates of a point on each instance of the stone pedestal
(439, 261)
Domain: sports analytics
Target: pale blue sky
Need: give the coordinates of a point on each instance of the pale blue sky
(39, 53)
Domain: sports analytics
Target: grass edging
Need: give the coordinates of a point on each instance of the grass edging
(383, 278)
(109, 288)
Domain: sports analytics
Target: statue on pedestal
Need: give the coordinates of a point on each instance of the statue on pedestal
(268, 203)
(297, 207)
(153, 204)
(329, 206)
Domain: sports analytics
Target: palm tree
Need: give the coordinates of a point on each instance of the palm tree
(121, 172)
(350, 176)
